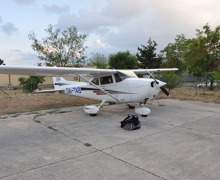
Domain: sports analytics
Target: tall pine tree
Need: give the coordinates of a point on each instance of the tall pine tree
(147, 57)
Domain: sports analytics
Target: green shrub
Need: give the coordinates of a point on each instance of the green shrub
(31, 83)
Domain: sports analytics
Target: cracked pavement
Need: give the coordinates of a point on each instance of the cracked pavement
(178, 140)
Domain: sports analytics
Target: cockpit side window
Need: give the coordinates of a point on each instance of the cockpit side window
(95, 81)
(117, 78)
(106, 80)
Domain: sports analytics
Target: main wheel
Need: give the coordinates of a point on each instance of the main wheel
(130, 106)
(144, 115)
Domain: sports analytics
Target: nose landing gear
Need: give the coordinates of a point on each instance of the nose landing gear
(143, 111)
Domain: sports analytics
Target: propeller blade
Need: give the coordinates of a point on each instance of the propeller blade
(161, 85)
(165, 91)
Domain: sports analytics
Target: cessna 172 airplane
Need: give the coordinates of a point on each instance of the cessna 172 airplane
(106, 85)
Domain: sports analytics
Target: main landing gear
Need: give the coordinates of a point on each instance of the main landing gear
(92, 110)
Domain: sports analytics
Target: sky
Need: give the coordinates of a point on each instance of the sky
(110, 25)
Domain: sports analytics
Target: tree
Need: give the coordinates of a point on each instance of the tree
(123, 60)
(217, 77)
(99, 60)
(60, 48)
(172, 79)
(174, 54)
(200, 54)
(147, 57)
(203, 54)
(217, 74)
(31, 83)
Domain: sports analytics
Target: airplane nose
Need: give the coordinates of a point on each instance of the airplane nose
(157, 83)
(161, 83)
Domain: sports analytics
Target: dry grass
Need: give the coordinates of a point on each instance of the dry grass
(22, 102)
(203, 95)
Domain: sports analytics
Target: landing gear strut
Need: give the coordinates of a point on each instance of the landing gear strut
(92, 110)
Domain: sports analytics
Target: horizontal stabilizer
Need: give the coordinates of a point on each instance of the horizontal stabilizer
(37, 91)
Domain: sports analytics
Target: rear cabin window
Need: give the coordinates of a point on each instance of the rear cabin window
(106, 80)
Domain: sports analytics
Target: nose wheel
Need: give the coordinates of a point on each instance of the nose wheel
(143, 111)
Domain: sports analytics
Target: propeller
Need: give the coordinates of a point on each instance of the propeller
(161, 86)
(165, 91)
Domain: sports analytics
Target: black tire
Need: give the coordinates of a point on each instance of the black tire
(131, 107)
(144, 115)
(92, 114)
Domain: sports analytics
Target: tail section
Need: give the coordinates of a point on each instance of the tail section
(59, 82)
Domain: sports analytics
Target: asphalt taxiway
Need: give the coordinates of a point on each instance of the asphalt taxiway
(178, 140)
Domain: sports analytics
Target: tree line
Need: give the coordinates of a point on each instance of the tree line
(199, 56)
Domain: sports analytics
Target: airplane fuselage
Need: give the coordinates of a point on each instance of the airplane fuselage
(128, 90)
(120, 86)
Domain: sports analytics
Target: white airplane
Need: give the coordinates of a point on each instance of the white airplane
(106, 85)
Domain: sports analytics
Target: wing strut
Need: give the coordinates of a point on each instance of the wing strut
(101, 89)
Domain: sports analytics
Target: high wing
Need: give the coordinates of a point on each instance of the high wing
(144, 71)
(68, 71)
(52, 71)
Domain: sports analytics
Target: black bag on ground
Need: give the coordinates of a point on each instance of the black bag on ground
(131, 122)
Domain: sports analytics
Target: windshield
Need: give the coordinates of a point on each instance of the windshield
(119, 76)
(124, 74)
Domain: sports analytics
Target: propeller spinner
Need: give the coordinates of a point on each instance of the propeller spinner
(160, 84)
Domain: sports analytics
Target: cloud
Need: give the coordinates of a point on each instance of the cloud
(185, 15)
(1, 20)
(20, 58)
(125, 9)
(160, 21)
(115, 23)
(57, 9)
(9, 28)
(87, 21)
(128, 24)
(115, 13)
(101, 44)
(25, 2)
(16, 50)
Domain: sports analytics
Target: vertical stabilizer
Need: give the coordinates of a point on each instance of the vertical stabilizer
(58, 82)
